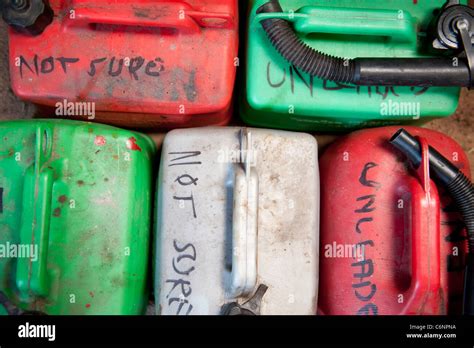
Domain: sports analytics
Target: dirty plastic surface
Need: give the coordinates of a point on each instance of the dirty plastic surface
(279, 96)
(235, 212)
(75, 205)
(161, 64)
(410, 238)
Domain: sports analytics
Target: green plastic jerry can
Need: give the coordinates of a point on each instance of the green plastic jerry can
(278, 95)
(75, 204)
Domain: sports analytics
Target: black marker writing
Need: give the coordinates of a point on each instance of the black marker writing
(180, 287)
(364, 289)
(116, 66)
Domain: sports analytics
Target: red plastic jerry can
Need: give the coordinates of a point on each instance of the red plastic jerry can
(392, 242)
(160, 63)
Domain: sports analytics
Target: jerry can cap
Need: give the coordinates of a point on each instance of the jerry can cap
(28, 16)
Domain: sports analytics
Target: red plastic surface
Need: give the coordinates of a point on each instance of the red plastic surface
(164, 64)
(414, 238)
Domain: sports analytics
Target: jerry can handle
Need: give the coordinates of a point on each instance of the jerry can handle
(244, 225)
(426, 234)
(167, 14)
(31, 273)
(396, 24)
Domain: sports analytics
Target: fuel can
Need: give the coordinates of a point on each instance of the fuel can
(392, 243)
(162, 64)
(278, 95)
(75, 215)
(238, 221)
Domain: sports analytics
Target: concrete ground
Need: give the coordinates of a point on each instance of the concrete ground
(460, 126)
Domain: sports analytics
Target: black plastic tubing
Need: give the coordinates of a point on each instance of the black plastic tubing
(425, 72)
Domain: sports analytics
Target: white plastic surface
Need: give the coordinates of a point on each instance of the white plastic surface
(237, 209)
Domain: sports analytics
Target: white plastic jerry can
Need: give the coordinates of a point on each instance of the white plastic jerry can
(237, 223)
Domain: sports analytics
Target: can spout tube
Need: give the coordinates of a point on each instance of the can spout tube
(423, 72)
(461, 190)
(442, 168)
(305, 58)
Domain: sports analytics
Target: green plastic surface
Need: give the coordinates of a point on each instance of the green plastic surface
(277, 95)
(78, 196)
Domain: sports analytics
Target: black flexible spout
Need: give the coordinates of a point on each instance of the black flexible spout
(460, 188)
(424, 72)
(307, 59)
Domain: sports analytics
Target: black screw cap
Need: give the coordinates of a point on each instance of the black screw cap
(27, 16)
(447, 31)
